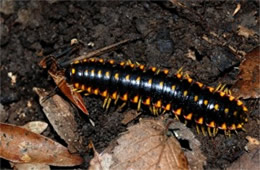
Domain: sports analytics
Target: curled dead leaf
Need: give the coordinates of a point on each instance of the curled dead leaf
(60, 80)
(19, 145)
(144, 146)
(61, 116)
(248, 84)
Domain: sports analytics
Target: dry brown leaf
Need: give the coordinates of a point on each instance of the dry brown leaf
(60, 80)
(144, 146)
(61, 116)
(250, 159)
(195, 156)
(36, 127)
(19, 145)
(248, 84)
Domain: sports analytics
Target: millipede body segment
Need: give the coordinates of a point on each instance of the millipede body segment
(206, 106)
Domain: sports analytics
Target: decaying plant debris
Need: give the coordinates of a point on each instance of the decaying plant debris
(209, 40)
(19, 145)
(144, 146)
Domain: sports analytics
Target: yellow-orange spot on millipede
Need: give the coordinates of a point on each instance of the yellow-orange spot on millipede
(245, 109)
(147, 101)
(179, 76)
(231, 98)
(73, 71)
(111, 62)
(99, 73)
(212, 124)
(124, 97)
(76, 85)
(178, 111)
(89, 89)
(189, 80)
(127, 77)
(114, 95)
(138, 79)
(158, 104)
(150, 81)
(161, 84)
(223, 126)
(96, 91)
(104, 93)
(196, 98)
(211, 89)
(200, 121)
(132, 65)
(239, 103)
(239, 126)
(188, 117)
(168, 107)
(141, 67)
(107, 74)
(216, 107)
(92, 72)
(153, 69)
(82, 87)
(232, 127)
(135, 99)
(122, 63)
(116, 76)
(185, 93)
(199, 84)
(222, 94)
(165, 71)
(226, 110)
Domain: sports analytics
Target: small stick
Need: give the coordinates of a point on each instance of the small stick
(98, 51)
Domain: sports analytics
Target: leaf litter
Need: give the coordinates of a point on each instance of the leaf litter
(193, 152)
(36, 127)
(19, 145)
(143, 146)
(248, 84)
(61, 116)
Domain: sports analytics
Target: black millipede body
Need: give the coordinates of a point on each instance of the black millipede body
(139, 84)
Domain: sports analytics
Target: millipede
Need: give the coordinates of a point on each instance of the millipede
(211, 108)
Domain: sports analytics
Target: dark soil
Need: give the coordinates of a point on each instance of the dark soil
(169, 32)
